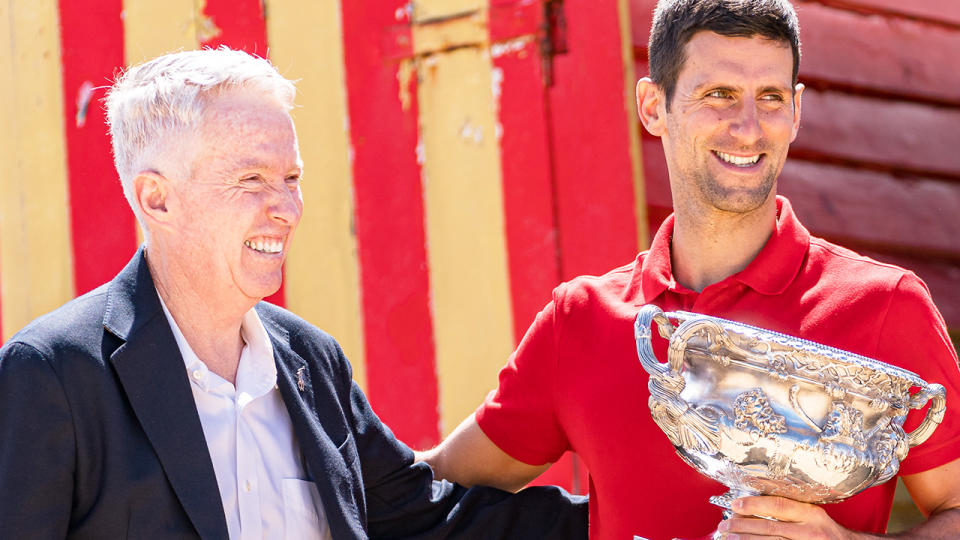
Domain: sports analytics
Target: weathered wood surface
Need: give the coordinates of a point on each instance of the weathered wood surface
(881, 133)
(913, 215)
(594, 197)
(946, 12)
(881, 54)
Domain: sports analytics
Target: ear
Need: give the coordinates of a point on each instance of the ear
(649, 101)
(796, 110)
(151, 193)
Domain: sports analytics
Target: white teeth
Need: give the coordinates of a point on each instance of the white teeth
(737, 160)
(265, 246)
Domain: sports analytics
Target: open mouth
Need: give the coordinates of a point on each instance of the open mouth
(266, 245)
(738, 161)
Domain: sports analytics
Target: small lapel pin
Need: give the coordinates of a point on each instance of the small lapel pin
(301, 384)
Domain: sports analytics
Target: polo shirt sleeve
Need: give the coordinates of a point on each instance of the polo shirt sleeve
(914, 335)
(519, 416)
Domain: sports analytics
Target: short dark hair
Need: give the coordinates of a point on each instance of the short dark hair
(676, 21)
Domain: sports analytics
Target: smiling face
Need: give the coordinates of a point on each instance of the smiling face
(233, 219)
(733, 116)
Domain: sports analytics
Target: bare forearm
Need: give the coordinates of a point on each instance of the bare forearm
(941, 526)
(469, 458)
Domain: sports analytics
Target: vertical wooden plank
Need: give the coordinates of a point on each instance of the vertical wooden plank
(532, 251)
(520, 97)
(238, 24)
(155, 27)
(391, 240)
(595, 179)
(465, 228)
(634, 148)
(34, 224)
(104, 234)
(322, 286)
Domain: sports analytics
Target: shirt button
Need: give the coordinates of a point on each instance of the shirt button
(247, 486)
(198, 374)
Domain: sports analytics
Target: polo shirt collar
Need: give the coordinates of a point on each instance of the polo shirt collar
(770, 272)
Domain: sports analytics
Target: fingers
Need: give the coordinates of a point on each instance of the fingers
(750, 528)
(785, 519)
(777, 508)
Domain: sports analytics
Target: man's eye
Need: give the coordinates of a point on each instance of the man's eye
(293, 179)
(771, 97)
(254, 178)
(721, 94)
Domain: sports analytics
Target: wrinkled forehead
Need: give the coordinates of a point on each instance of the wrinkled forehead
(246, 130)
(711, 57)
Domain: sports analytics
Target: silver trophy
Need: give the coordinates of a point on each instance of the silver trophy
(769, 414)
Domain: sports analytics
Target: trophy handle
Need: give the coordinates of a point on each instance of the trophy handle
(934, 413)
(643, 332)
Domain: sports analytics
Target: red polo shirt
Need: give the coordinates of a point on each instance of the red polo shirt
(574, 382)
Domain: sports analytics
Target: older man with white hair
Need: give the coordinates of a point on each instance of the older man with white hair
(171, 402)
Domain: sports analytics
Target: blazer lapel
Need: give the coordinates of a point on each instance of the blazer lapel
(154, 378)
(324, 460)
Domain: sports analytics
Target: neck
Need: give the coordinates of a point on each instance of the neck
(710, 245)
(210, 326)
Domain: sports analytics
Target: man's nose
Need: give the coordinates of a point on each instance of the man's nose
(285, 205)
(746, 124)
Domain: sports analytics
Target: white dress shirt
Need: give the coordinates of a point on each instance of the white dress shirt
(259, 467)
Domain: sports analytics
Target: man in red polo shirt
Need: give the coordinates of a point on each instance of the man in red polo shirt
(724, 99)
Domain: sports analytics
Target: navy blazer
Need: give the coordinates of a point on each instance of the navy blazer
(100, 437)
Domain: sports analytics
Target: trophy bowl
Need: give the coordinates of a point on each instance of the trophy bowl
(765, 413)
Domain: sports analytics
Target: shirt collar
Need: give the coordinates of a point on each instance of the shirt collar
(770, 272)
(257, 372)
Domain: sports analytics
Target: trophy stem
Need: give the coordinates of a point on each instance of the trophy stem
(723, 501)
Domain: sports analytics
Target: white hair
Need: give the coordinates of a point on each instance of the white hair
(157, 103)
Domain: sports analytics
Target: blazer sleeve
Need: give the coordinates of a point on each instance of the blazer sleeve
(37, 446)
(403, 500)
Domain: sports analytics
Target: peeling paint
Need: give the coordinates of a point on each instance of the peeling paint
(404, 13)
(516, 45)
(496, 88)
(207, 29)
(496, 85)
(404, 75)
(421, 152)
(469, 132)
(84, 95)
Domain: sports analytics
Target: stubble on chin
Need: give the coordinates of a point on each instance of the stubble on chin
(739, 200)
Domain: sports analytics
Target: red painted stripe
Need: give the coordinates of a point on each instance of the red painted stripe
(391, 240)
(591, 152)
(238, 24)
(527, 182)
(103, 233)
(512, 18)
(528, 189)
